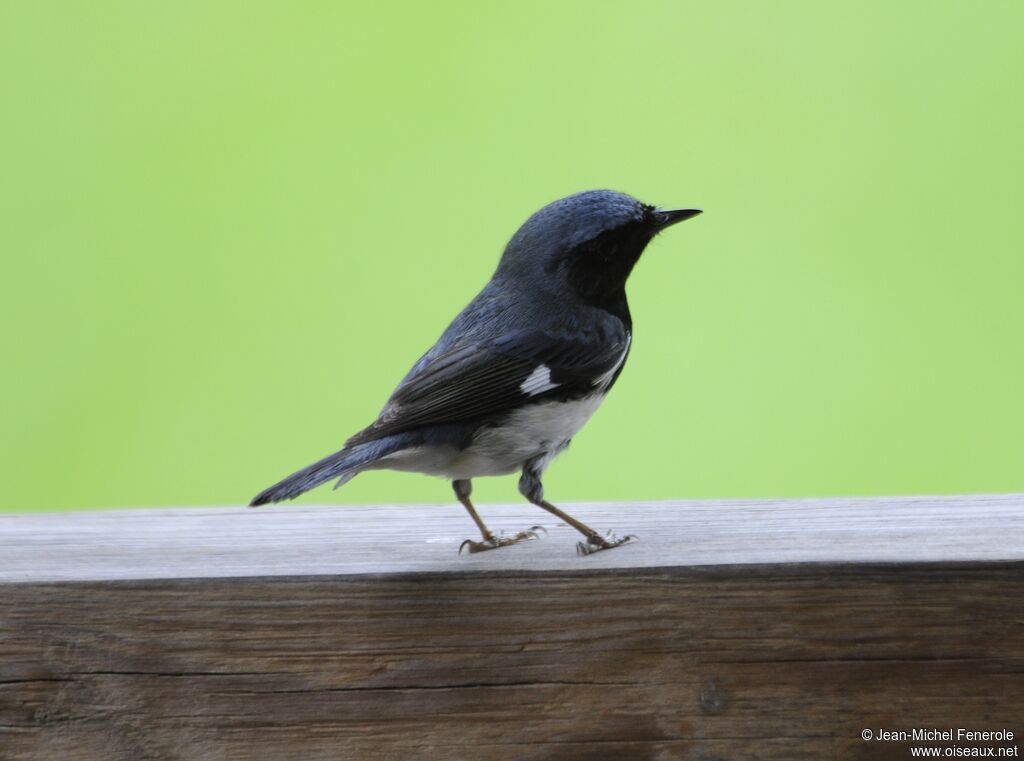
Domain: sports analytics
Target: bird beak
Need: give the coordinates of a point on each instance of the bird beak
(667, 217)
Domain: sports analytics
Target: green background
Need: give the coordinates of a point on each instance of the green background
(228, 229)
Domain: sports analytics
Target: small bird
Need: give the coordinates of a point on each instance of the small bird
(520, 370)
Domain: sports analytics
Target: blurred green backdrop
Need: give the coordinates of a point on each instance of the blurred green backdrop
(229, 228)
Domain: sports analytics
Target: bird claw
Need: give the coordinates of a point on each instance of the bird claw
(494, 542)
(596, 543)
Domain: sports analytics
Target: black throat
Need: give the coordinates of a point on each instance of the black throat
(597, 270)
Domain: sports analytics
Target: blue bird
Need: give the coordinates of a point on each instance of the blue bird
(520, 370)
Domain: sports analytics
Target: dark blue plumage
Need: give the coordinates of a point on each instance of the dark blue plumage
(521, 368)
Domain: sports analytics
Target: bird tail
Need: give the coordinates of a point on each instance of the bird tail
(343, 465)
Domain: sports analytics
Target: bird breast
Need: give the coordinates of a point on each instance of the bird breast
(528, 432)
(542, 429)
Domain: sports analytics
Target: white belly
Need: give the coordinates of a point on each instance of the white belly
(540, 429)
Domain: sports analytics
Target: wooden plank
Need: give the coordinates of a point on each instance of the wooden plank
(297, 540)
(802, 625)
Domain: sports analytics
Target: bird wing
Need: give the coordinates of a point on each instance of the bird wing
(474, 380)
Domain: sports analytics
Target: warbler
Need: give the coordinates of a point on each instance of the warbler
(520, 370)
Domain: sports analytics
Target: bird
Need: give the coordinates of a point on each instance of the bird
(519, 370)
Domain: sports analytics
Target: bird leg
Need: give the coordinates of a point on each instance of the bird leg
(531, 488)
(463, 488)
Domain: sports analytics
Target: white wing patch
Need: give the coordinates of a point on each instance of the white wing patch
(605, 378)
(538, 382)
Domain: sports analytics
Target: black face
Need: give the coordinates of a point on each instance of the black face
(585, 246)
(597, 269)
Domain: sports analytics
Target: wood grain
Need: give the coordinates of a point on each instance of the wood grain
(299, 540)
(765, 659)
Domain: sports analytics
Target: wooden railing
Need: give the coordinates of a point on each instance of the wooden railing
(728, 630)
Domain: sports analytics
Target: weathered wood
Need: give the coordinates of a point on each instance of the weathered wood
(753, 630)
(298, 540)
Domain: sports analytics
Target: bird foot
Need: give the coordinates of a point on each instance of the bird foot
(596, 543)
(493, 542)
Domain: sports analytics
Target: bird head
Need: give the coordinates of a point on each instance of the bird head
(587, 243)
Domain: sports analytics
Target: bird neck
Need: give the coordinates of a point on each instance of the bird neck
(597, 271)
(598, 293)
